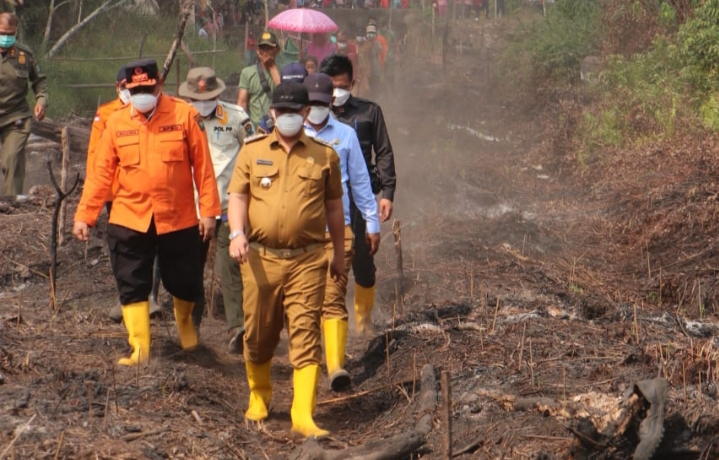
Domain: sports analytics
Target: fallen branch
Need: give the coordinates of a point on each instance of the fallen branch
(394, 448)
(136, 436)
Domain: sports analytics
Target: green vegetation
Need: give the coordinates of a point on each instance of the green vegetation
(659, 76)
(548, 51)
(120, 34)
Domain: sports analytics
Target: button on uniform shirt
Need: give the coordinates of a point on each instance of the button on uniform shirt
(354, 170)
(157, 162)
(287, 191)
(18, 69)
(98, 126)
(258, 101)
(225, 131)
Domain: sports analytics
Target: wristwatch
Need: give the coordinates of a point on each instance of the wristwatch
(236, 233)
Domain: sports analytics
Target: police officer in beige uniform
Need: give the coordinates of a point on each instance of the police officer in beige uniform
(226, 125)
(17, 69)
(286, 187)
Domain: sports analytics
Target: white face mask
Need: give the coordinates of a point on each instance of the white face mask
(125, 96)
(289, 124)
(318, 115)
(341, 97)
(206, 108)
(144, 102)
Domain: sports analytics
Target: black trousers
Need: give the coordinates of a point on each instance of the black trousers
(132, 255)
(363, 263)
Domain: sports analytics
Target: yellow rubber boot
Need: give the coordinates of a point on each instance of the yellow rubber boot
(258, 377)
(185, 326)
(137, 322)
(304, 382)
(335, 332)
(364, 302)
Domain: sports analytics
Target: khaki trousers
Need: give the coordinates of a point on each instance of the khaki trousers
(275, 287)
(335, 305)
(12, 156)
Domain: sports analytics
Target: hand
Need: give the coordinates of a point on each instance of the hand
(239, 248)
(385, 210)
(39, 112)
(266, 59)
(207, 227)
(80, 230)
(337, 266)
(373, 242)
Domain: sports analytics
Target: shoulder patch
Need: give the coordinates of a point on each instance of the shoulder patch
(200, 121)
(254, 138)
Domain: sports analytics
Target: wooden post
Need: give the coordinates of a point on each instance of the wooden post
(398, 290)
(65, 143)
(267, 12)
(244, 45)
(214, 39)
(447, 416)
(177, 76)
(433, 13)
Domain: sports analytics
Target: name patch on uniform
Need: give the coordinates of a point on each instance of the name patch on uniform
(129, 132)
(223, 129)
(265, 162)
(168, 128)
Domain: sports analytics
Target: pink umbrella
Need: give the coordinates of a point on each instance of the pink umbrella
(303, 20)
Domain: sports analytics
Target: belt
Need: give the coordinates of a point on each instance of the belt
(285, 253)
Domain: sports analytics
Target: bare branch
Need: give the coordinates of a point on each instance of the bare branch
(105, 7)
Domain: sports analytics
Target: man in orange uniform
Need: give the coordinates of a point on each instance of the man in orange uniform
(98, 126)
(156, 149)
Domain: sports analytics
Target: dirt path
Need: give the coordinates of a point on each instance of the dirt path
(503, 289)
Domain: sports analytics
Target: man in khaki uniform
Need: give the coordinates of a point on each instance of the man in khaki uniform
(226, 125)
(286, 187)
(17, 69)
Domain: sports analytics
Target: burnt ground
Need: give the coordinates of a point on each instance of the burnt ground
(520, 279)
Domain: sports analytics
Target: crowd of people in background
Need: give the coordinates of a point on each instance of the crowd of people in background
(373, 50)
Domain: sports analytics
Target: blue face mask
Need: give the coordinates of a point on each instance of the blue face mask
(7, 41)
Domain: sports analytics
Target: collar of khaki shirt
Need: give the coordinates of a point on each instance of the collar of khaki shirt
(275, 141)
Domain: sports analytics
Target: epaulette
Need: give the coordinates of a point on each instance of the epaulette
(254, 138)
(235, 108)
(322, 141)
(176, 99)
(25, 48)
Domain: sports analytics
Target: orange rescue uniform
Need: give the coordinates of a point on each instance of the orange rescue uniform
(98, 126)
(153, 162)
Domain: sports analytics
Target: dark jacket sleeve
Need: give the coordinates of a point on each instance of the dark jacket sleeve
(384, 156)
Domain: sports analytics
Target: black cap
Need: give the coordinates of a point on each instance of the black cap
(294, 71)
(289, 95)
(141, 73)
(120, 75)
(319, 87)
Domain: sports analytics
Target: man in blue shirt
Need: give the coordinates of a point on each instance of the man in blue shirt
(320, 124)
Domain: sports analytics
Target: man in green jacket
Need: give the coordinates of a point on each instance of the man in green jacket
(18, 69)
